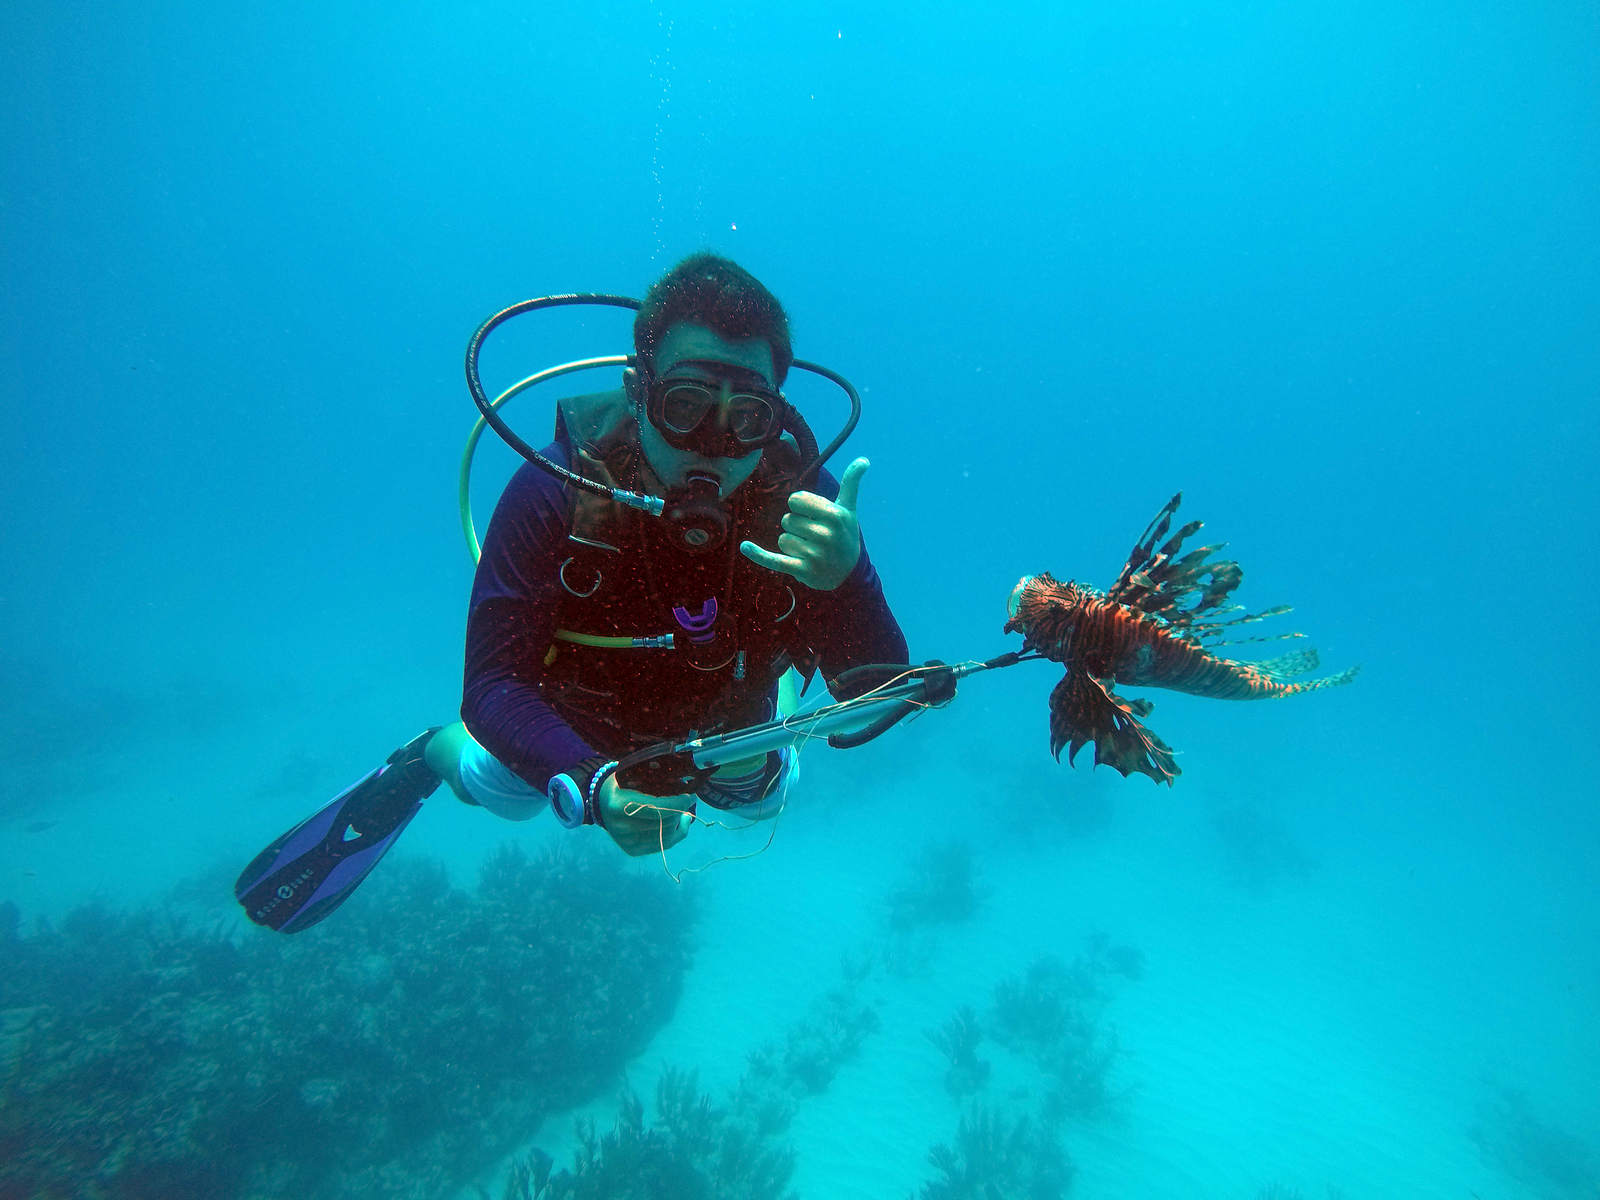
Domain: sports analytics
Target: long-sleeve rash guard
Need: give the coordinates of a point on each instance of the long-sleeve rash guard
(503, 703)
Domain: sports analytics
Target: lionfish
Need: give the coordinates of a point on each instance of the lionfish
(1140, 633)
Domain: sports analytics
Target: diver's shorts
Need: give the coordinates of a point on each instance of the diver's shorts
(759, 794)
(755, 796)
(492, 784)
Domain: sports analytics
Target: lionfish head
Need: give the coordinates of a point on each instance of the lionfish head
(1014, 601)
(1042, 608)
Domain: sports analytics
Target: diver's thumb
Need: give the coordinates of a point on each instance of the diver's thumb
(850, 485)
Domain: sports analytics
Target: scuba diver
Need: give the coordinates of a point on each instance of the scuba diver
(595, 630)
(652, 575)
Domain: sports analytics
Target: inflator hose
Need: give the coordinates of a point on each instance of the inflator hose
(495, 422)
(650, 504)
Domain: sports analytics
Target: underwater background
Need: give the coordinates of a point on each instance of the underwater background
(1332, 270)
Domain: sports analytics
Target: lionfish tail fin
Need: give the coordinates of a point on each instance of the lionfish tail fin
(1287, 666)
(1083, 710)
(1339, 680)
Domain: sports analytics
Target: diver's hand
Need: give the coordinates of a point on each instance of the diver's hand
(821, 539)
(642, 824)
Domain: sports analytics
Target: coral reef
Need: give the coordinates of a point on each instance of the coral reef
(1550, 1160)
(996, 1159)
(527, 1179)
(1051, 1014)
(778, 1076)
(830, 1036)
(1283, 1191)
(939, 889)
(695, 1151)
(394, 1051)
(958, 1040)
(692, 1152)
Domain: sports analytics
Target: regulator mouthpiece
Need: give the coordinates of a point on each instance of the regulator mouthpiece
(695, 511)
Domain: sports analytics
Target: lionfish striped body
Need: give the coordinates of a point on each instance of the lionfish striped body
(1140, 633)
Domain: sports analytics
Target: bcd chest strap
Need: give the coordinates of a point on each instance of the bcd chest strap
(629, 595)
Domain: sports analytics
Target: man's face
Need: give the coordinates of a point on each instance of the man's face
(683, 343)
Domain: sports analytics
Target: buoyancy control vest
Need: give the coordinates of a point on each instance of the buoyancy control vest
(734, 626)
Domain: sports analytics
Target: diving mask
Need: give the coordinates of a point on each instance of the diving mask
(715, 409)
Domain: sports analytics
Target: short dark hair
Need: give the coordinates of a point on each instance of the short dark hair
(707, 289)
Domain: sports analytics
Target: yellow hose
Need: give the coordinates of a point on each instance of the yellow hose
(464, 484)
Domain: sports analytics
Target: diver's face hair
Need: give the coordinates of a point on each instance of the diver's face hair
(684, 342)
(716, 292)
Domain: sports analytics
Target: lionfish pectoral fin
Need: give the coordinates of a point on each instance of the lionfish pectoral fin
(1083, 710)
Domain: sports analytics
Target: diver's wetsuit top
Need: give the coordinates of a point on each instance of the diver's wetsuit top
(542, 706)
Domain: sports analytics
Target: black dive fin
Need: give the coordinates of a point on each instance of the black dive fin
(312, 869)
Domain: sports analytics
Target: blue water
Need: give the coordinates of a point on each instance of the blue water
(1334, 271)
